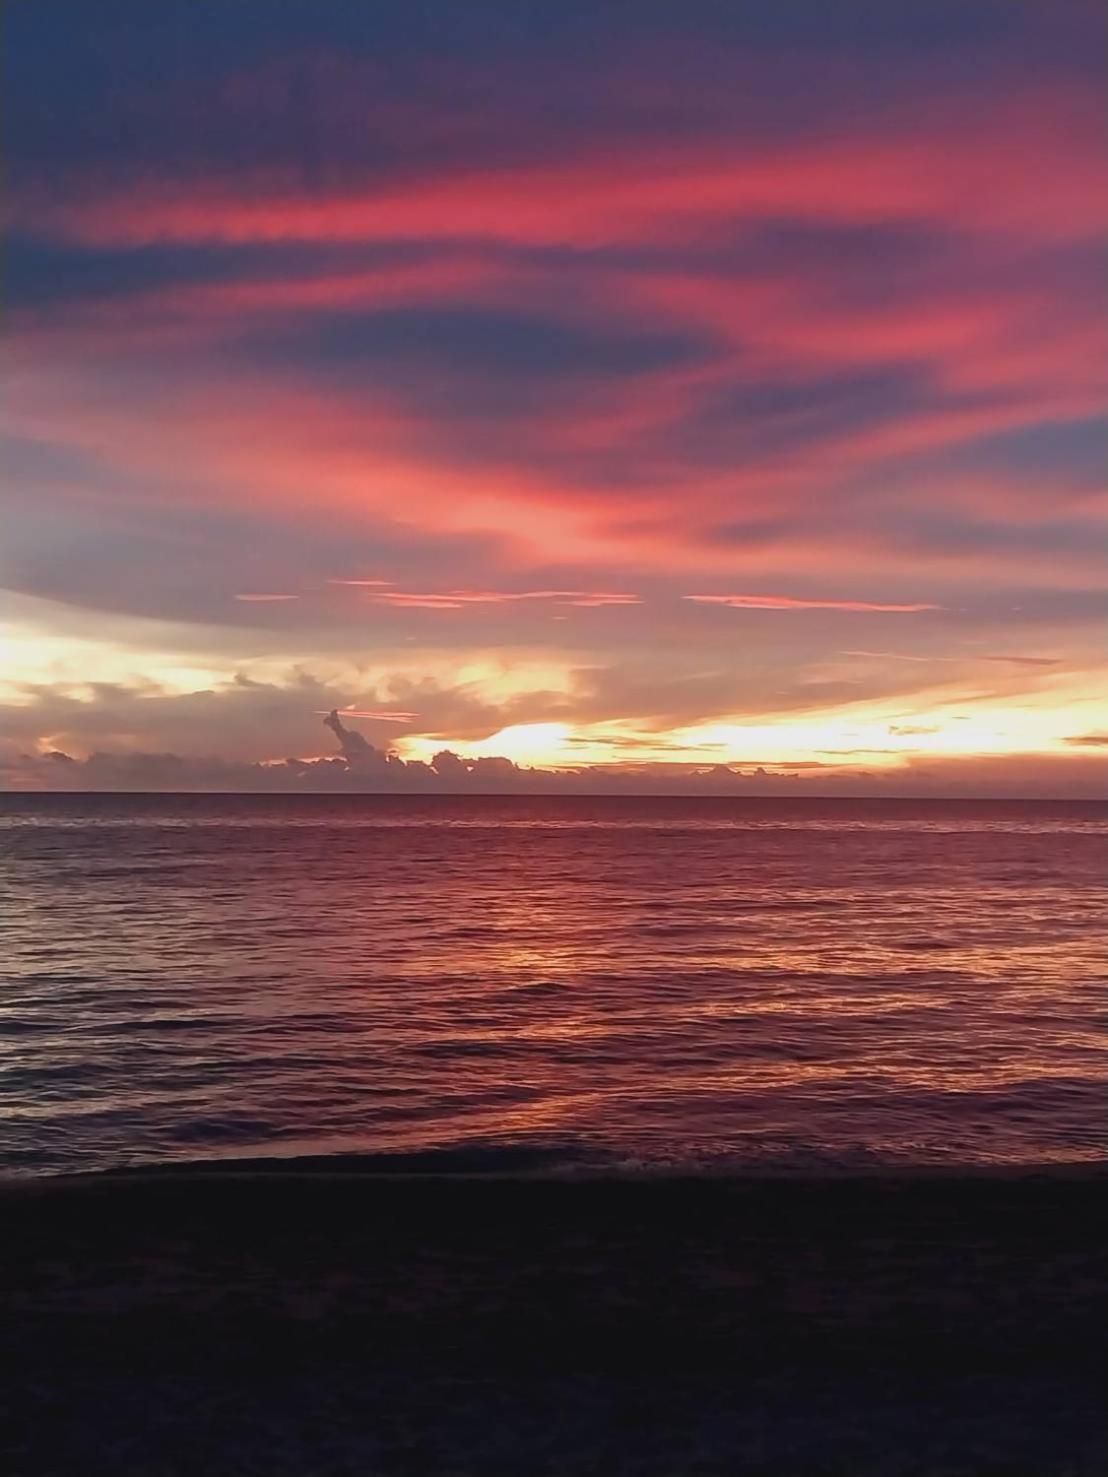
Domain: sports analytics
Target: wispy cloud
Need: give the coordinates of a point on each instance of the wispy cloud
(458, 599)
(963, 658)
(791, 602)
(382, 715)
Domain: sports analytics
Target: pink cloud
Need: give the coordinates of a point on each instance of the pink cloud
(1031, 162)
(458, 599)
(362, 584)
(924, 250)
(789, 602)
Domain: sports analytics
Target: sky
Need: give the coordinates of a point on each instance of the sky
(592, 395)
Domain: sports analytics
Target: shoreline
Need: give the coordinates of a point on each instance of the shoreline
(482, 1163)
(899, 1322)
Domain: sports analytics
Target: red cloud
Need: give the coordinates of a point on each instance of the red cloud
(788, 602)
(598, 477)
(1033, 164)
(458, 599)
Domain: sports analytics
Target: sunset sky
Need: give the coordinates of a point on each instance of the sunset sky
(583, 384)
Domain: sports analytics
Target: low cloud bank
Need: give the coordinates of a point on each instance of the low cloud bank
(362, 768)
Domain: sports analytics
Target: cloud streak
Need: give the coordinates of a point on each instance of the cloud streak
(790, 602)
(459, 599)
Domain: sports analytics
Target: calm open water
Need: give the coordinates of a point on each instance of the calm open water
(672, 984)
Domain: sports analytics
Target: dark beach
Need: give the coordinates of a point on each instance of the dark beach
(323, 1316)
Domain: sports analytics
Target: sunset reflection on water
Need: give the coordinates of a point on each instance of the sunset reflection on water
(636, 982)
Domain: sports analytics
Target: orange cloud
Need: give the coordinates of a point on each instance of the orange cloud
(381, 715)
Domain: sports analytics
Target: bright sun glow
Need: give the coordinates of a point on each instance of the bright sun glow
(848, 742)
(71, 665)
(523, 743)
(880, 735)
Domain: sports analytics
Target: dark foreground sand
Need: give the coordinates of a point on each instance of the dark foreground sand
(316, 1322)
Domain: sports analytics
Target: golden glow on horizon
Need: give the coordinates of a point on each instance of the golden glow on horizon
(526, 744)
(844, 741)
(439, 689)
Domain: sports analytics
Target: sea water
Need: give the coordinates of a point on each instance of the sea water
(575, 984)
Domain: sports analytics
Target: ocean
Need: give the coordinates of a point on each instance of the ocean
(552, 985)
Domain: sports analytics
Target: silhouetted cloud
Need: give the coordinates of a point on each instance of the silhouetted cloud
(1021, 776)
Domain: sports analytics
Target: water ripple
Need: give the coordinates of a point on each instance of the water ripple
(647, 983)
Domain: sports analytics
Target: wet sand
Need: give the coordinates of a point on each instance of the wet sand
(327, 1318)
